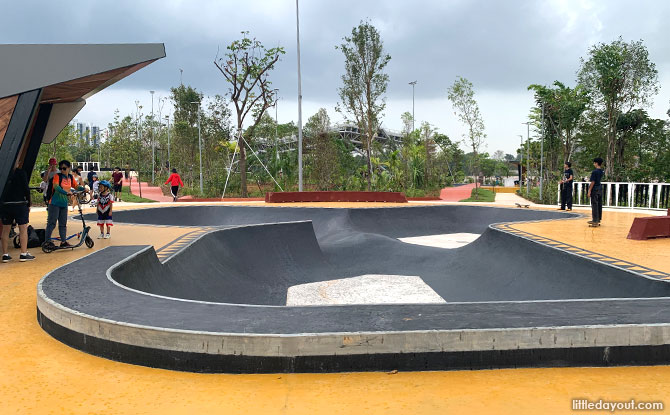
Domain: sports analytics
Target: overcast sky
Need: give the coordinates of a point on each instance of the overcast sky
(500, 46)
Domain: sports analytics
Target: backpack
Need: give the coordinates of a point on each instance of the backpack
(34, 238)
(50, 187)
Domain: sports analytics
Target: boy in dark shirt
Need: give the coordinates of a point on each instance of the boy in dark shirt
(596, 193)
(566, 186)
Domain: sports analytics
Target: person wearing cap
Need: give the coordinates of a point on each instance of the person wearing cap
(104, 209)
(52, 170)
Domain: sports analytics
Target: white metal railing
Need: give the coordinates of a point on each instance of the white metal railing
(624, 195)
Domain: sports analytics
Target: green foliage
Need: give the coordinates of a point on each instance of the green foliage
(481, 195)
(618, 76)
(246, 66)
(364, 84)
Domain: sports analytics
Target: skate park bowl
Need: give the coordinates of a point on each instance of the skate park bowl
(286, 289)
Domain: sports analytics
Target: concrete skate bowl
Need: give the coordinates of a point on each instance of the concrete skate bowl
(312, 290)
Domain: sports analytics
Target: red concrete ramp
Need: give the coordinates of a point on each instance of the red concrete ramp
(457, 193)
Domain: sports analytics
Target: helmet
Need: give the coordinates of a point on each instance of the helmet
(106, 184)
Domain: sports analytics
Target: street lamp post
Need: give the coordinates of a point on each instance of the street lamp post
(139, 142)
(527, 155)
(413, 83)
(199, 145)
(167, 117)
(521, 162)
(542, 154)
(153, 142)
(276, 91)
(297, 31)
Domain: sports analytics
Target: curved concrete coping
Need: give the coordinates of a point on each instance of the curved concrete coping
(81, 306)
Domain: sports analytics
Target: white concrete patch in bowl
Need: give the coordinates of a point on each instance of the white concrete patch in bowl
(446, 240)
(364, 289)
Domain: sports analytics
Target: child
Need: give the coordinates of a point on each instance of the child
(104, 209)
(94, 189)
(596, 193)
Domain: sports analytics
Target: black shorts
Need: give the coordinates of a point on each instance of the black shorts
(18, 213)
(117, 188)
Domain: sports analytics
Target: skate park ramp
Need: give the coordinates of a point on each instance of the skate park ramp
(277, 289)
(257, 254)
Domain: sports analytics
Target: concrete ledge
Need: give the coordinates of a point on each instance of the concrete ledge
(432, 360)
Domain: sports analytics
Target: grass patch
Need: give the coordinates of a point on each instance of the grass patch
(483, 195)
(126, 196)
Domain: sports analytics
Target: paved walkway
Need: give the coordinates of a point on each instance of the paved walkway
(148, 192)
(510, 199)
(458, 193)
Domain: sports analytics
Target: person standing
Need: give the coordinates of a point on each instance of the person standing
(52, 170)
(78, 182)
(175, 181)
(89, 176)
(63, 184)
(16, 207)
(566, 186)
(596, 193)
(104, 210)
(117, 181)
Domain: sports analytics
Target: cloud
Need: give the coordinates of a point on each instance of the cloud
(501, 46)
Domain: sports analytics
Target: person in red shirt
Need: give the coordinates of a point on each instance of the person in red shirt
(117, 182)
(175, 182)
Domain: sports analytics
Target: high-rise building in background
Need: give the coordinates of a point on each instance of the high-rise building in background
(95, 136)
(89, 133)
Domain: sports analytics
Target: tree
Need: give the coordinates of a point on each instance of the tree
(322, 151)
(563, 109)
(427, 133)
(618, 77)
(407, 123)
(364, 84)
(498, 155)
(247, 66)
(462, 97)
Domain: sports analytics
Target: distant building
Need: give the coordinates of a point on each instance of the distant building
(95, 136)
(88, 133)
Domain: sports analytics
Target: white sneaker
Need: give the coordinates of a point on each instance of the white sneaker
(102, 235)
(108, 236)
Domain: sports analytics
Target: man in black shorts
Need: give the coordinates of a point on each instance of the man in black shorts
(596, 192)
(15, 206)
(117, 183)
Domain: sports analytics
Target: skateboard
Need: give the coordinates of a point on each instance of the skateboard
(522, 206)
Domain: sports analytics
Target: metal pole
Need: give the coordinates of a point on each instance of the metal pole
(413, 83)
(527, 155)
(139, 142)
(200, 149)
(167, 117)
(521, 162)
(153, 141)
(297, 31)
(542, 154)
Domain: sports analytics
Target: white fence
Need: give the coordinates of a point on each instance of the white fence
(624, 195)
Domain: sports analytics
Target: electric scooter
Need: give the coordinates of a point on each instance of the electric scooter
(50, 246)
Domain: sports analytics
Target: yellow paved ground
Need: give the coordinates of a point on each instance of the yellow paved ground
(608, 239)
(39, 375)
